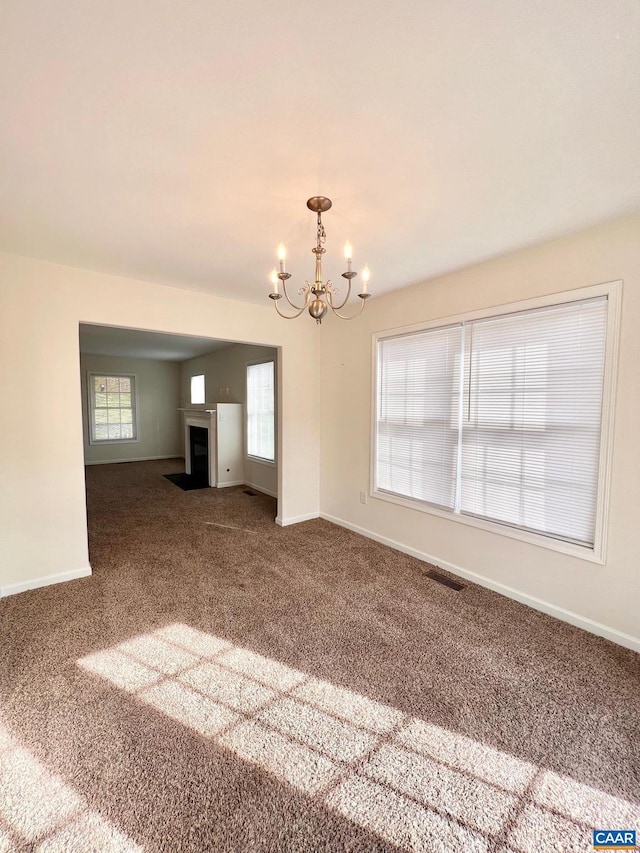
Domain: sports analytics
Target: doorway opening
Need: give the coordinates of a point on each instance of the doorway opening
(139, 393)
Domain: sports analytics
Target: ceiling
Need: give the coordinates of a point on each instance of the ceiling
(178, 142)
(134, 343)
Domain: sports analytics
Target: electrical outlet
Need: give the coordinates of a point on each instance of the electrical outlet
(363, 497)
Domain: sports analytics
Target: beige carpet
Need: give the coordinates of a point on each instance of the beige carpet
(222, 684)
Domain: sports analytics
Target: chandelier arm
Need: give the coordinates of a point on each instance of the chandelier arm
(344, 301)
(293, 304)
(353, 316)
(290, 316)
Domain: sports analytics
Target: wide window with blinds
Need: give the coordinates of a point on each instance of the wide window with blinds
(261, 411)
(499, 419)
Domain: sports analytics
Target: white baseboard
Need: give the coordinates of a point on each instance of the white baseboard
(230, 483)
(296, 519)
(48, 580)
(622, 639)
(136, 459)
(261, 489)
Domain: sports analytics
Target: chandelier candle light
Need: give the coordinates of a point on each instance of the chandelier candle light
(320, 295)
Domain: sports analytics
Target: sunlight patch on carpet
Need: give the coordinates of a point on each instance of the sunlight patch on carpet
(304, 769)
(582, 803)
(402, 821)
(157, 654)
(347, 705)
(194, 641)
(39, 811)
(229, 688)
(325, 734)
(190, 708)
(121, 669)
(467, 755)
(415, 784)
(262, 669)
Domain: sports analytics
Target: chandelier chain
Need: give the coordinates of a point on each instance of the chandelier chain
(321, 234)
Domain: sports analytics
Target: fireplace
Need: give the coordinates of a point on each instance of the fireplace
(213, 445)
(199, 453)
(199, 445)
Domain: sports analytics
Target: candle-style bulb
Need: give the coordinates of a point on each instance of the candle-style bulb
(282, 254)
(348, 251)
(274, 280)
(366, 275)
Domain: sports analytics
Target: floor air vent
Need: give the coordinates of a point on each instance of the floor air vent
(249, 492)
(444, 580)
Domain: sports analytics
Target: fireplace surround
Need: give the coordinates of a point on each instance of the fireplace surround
(203, 422)
(213, 445)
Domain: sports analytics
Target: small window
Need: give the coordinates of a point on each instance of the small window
(197, 389)
(261, 411)
(112, 408)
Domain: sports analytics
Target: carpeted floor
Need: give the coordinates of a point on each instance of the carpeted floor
(222, 684)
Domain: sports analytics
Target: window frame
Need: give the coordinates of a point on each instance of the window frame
(204, 389)
(261, 460)
(597, 554)
(92, 407)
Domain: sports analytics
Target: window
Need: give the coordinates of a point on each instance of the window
(261, 411)
(197, 389)
(502, 419)
(112, 408)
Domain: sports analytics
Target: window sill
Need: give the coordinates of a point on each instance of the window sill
(100, 442)
(266, 462)
(582, 552)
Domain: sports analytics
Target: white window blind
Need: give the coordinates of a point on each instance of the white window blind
(197, 389)
(531, 419)
(498, 418)
(418, 408)
(261, 410)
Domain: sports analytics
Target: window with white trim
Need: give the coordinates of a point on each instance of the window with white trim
(197, 389)
(261, 411)
(497, 419)
(112, 408)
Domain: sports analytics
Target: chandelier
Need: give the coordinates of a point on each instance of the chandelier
(319, 296)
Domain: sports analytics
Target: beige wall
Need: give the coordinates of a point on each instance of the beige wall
(609, 594)
(225, 382)
(42, 501)
(158, 394)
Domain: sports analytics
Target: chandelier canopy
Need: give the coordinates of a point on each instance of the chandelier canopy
(319, 296)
